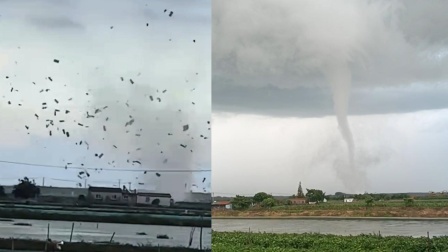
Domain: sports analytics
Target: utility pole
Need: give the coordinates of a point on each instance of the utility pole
(119, 183)
(43, 181)
(129, 188)
(85, 183)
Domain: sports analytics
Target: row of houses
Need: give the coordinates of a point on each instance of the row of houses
(98, 195)
(117, 196)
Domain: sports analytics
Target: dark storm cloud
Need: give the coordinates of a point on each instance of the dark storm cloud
(275, 60)
(316, 102)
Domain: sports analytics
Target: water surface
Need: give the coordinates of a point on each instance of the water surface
(338, 227)
(102, 232)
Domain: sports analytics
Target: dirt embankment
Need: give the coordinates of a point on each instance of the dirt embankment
(361, 212)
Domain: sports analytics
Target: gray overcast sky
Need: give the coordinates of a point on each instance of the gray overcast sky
(276, 66)
(97, 43)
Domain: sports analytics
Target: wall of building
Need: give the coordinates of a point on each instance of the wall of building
(148, 199)
(198, 197)
(106, 197)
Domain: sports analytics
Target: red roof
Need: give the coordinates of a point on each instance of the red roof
(221, 203)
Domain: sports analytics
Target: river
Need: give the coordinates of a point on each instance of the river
(338, 227)
(90, 232)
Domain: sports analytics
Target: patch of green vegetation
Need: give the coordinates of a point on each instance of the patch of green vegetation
(268, 242)
(112, 218)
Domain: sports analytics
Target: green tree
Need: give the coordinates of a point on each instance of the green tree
(315, 195)
(408, 202)
(339, 196)
(268, 202)
(369, 200)
(259, 197)
(241, 202)
(26, 189)
(2, 192)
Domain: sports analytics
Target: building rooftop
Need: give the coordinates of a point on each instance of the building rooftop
(221, 203)
(105, 189)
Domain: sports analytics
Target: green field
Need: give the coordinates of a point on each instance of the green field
(268, 242)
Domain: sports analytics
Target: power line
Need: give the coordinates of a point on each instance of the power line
(100, 168)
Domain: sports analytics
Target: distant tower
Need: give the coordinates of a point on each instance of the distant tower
(300, 191)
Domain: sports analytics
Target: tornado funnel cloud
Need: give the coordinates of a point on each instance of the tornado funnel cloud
(339, 77)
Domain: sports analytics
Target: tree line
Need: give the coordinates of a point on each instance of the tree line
(25, 189)
(267, 200)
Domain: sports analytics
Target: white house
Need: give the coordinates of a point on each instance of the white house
(348, 200)
(152, 198)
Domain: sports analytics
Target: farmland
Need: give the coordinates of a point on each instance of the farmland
(437, 208)
(257, 242)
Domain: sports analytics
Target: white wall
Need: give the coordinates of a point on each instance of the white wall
(141, 199)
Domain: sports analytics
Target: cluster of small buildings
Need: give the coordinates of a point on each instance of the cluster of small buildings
(99, 196)
(117, 196)
(297, 199)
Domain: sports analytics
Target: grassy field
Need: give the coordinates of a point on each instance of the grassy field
(266, 242)
(420, 208)
(21, 244)
(105, 217)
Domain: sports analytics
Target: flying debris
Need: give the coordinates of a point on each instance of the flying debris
(132, 82)
(56, 61)
(50, 78)
(129, 123)
(203, 180)
(171, 14)
(183, 145)
(136, 161)
(185, 127)
(157, 174)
